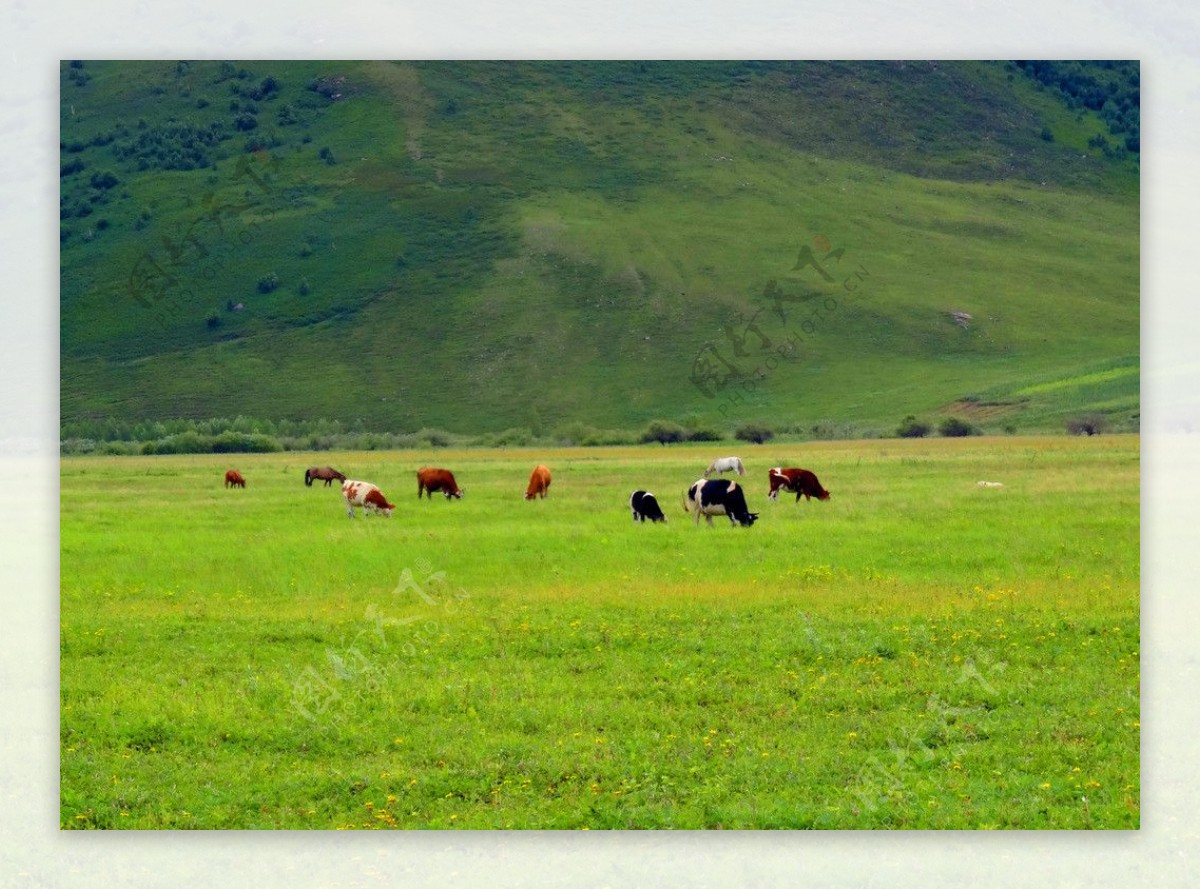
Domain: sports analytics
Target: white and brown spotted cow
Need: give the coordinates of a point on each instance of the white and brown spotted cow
(367, 496)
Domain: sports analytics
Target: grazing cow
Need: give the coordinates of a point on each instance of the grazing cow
(645, 506)
(431, 480)
(716, 497)
(326, 473)
(724, 465)
(367, 496)
(802, 482)
(539, 482)
(234, 479)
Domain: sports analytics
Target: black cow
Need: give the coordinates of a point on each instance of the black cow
(645, 506)
(716, 497)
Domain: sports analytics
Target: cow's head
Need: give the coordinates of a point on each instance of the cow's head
(748, 519)
(457, 493)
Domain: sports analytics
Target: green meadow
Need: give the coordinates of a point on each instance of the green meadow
(917, 652)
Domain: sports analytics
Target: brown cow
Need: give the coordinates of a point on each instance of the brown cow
(802, 482)
(431, 479)
(234, 479)
(539, 482)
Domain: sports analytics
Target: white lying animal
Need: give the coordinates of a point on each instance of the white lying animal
(990, 484)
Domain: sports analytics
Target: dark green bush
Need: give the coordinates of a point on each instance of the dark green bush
(704, 434)
(955, 427)
(911, 428)
(1088, 425)
(105, 180)
(254, 443)
(757, 433)
(664, 432)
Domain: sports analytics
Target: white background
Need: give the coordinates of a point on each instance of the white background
(1165, 36)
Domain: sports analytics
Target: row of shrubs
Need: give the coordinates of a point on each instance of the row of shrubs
(248, 435)
(911, 428)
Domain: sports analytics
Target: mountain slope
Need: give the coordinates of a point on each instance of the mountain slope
(478, 246)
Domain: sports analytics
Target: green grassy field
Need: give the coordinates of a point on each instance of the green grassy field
(917, 652)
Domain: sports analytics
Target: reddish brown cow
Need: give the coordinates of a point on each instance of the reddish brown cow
(802, 482)
(431, 479)
(234, 479)
(539, 482)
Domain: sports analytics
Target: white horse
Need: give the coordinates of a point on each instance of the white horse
(724, 465)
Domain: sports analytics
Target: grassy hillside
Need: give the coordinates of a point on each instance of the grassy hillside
(477, 246)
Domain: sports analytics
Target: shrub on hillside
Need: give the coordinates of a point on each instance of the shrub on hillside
(758, 433)
(76, 446)
(698, 429)
(1088, 425)
(704, 434)
(104, 180)
(911, 428)
(954, 427)
(608, 437)
(230, 442)
(513, 437)
(435, 438)
(664, 432)
(579, 433)
(179, 443)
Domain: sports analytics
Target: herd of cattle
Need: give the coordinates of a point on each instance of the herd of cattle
(705, 497)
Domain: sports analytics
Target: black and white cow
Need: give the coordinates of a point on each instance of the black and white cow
(716, 497)
(645, 506)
